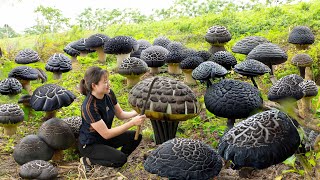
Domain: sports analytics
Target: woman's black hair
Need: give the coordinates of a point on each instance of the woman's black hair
(92, 76)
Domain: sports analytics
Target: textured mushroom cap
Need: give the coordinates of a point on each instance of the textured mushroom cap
(58, 63)
(311, 136)
(42, 75)
(175, 46)
(120, 45)
(225, 59)
(268, 53)
(161, 41)
(191, 62)
(50, 97)
(56, 133)
(74, 123)
(133, 66)
(232, 99)
(30, 148)
(174, 57)
(25, 99)
(207, 70)
(80, 46)
(245, 45)
(187, 52)
(184, 159)
(38, 169)
(262, 140)
(206, 55)
(96, 40)
(169, 99)
(251, 67)
(24, 72)
(27, 56)
(10, 86)
(286, 87)
(309, 88)
(71, 51)
(143, 44)
(11, 114)
(302, 60)
(154, 56)
(301, 35)
(217, 34)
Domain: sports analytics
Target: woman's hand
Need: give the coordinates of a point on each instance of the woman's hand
(138, 120)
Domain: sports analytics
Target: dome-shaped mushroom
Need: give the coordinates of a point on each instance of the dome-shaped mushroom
(184, 159)
(161, 41)
(96, 42)
(71, 52)
(30, 148)
(11, 115)
(155, 57)
(173, 60)
(132, 68)
(170, 101)
(206, 55)
(49, 98)
(304, 62)
(262, 140)
(79, 45)
(58, 63)
(301, 36)
(24, 74)
(225, 59)
(74, 123)
(10, 86)
(143, 44)
(217, 36)
(188, 65)
(310, 89)
(232, 99)
(38, 169)
(27, 56)
(245, 45)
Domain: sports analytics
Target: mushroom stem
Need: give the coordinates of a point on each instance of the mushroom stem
(209, 83)
(154, 70)
(174, 68)
(101, 55)
(26, 85)
(305, 107)
(308, 73)
(10, 130)
(272, 78)
(83, 54)
(302, 46)
(57, 75)
(217, 47)
(57, 156)
(230, 123)
(188, 77)
(254, 82)
(302, 71)
(74, 59)
(120, 58)
(133, 80)
(49, 115)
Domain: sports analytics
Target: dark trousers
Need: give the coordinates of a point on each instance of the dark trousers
(105, 153)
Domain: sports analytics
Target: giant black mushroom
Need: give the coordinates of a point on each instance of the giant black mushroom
(24, 74)
(58, 63)
(269, 54)
(38, 169)
(27, 56)
(10, 87)
(174, 57)
(143, 44)
(133, 68)
(225, 59)
(155, 57)
(71, 52)
(302, 37)
(262, 140)
(79, 45)
(251, 68)
(50, 98)
(245, 45)
(304, 63)
(188, 65)
(30, 148)
(161, 41)
(96, 42)
(170, 101)
(232, 99)
(217, 36)
(11, 115)
(310, 90)
(184, 159)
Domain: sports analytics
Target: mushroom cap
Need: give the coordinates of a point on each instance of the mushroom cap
(309, 88)
(58, 63)
(301, 35)
(184, 159)
(120, 45)
(268, 53)
(10, 86)
(286, 87)
(57, 134)
(251, 67)
(70, 50)
(302, 60)
(80, 46)
(50, 97)
(175, 46)
(143, 44)
(232, 99)
(133, 66)
(27, 56)
(161, 41)
(187, 52)
(225, 59)
(311, 136)
(25, 99)
(154, 56)
(245, 45)
(206, 55)
(11, 114)
(24, 73)
(96, 40)
(30, 148)
(217, 35)
(169, 99)
(42, 75)
(262, 140)
(74, 123)
(174, 57)
(207, 70)
(191, 62)
(38, 169)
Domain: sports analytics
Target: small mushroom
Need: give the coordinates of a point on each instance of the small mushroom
(301, 37)
(173, 60)
(71, 52)
(58, 63)
(96, 42)
(184, 159)
(304, 63)
(133, 68)
(217, 36)
(245, 45)
(24, 74)
(27, 56)
(161, 41)
(155, 57)
(225, 59)
(25, 100)
(188, 65)
(10, 87)
(143, 44)
(38, 169)
(11, 115)
(310, 89)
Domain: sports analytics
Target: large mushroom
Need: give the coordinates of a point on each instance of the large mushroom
(155, 57)
(217, 36)
(58, 63)
(11, 115)
(174, 57)
(27, 56)
(50, 98)
(96, 42)
(10, 87)
(301, 37)
(24, 74)
(143, 44)
(38, 169)
(225, 59)
(184, 159)
(304, 63)
(245, 45)
(132, 68)
(170, 101)
(188, 65)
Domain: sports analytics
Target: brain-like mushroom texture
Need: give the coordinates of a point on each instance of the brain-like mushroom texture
(24, 73)
(50, 97)
(191, 62)
(154, 56)
(309, 88)
(10, 86)
(302, 61)
(169, 99)
(161, 41)
(175, 46)
(268, 53)
(133, 66)
(301, 35)
(262, 140)
(121, 45)
(143, 44)
(57, 134)
(30, 148)
(245, 45)
(286, 87)
(225, 59)
(184, 159)
(232, 99)
(27, 56)
(38, 169)
(96, 40)
(74, 122)
(217, 35)
(10, 116)
(207, 70)
(251, 67)
(206, 55)
(58, 63)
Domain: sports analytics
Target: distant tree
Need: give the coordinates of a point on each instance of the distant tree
(7, 32)
(87, 20)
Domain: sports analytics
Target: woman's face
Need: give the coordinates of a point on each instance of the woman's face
(103, 86)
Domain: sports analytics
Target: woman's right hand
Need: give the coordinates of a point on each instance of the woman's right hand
(138, 120)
